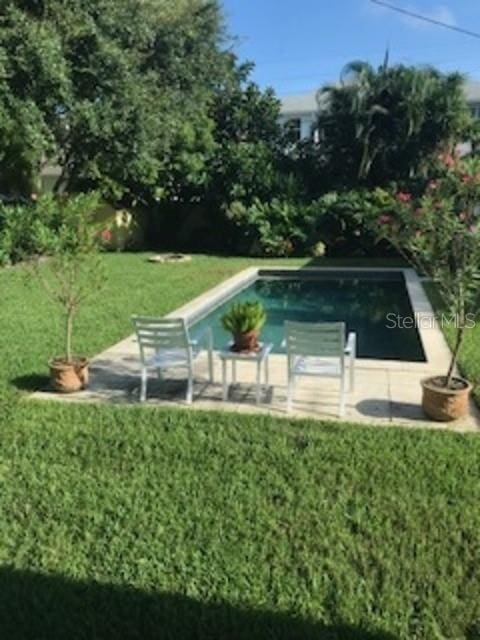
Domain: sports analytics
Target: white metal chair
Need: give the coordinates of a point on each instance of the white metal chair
(319, 349)
(164, 343)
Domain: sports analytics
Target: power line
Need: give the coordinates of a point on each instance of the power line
(418, 16)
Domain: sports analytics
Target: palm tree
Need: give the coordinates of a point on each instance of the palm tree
(380, 123)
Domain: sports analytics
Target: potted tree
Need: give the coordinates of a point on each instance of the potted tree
(71, 275)
(244, 321)
(438, 232)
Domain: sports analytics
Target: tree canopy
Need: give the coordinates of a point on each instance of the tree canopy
(115, 91)
(385, 124)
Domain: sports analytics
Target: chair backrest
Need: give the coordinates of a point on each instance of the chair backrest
(161, 334)
(325, 339)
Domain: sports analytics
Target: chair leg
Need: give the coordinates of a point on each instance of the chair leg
(224, 381)
(290, 391)
(143, 386)
(341, 409)
(210, 365)
(258, 383)
(352, 372)
(190, 387)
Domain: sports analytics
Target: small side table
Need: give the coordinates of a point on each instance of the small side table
(259, 357)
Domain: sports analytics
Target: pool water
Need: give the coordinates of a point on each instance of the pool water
(362, 303)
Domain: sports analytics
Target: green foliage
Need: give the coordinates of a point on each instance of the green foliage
(342, 226)
(74, 270)
(243, 317)
(386, 124)
(247, 137)
(34, 87)
(281, 227)
(16, 237)
(116, 92)
(276, 228)
(439, 232)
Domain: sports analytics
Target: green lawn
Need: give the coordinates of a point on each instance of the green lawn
(143, 523)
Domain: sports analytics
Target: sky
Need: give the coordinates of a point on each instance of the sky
(299, 45)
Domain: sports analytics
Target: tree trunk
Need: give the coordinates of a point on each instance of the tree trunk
(456, 351)
(68, 334)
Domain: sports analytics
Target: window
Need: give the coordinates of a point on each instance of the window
(475, 110)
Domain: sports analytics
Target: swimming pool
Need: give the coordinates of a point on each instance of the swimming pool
(365, 301)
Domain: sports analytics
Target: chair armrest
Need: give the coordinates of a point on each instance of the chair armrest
(351, 345)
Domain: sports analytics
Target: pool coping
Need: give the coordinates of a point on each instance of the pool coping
(435, 347)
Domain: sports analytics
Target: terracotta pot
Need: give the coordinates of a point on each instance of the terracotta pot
(68, 377)
(247, 342)
(442, 404)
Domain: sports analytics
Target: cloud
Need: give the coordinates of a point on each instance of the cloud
(439, 12)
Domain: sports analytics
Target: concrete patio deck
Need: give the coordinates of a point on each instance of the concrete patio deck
(385, 393)
(382, 396)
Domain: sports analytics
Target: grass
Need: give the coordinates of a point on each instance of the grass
(128, 522)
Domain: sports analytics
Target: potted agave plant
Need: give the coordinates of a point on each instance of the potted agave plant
(244, 320)
(71, 275)
(438, 231)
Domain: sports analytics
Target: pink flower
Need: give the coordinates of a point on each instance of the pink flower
(385, 218)
(106, 235)
(404, 196)
(432, 185)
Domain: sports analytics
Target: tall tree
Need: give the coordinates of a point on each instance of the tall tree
(116, 91)
(248, 138)
(385, 124)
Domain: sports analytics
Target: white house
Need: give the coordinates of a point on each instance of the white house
(300, 110)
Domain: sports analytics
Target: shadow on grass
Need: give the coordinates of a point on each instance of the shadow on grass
(32, 382)
(42, 607)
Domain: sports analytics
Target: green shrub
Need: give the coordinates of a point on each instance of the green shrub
(283, 227)
(26, 229)
(341, 223)
(17, 236)
(275, 228)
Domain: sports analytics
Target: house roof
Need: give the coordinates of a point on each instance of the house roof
(307, 102)
(303, 103)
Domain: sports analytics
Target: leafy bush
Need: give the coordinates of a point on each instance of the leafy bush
(439, 233)
(243, 317)
(274, 228)
(337, 221)
(24, 228)
(341, 223)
